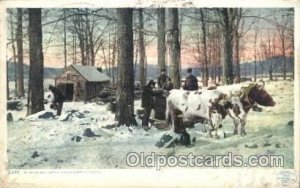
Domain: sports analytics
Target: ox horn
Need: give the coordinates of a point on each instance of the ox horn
(243, 94)
(263, 84)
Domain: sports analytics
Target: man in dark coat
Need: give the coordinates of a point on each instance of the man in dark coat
(191, 82)
(164, 83)
(148, 101)
(58, 101)
(168, 85)
(162, 79)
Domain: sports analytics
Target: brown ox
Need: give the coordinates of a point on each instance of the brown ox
(250, 97)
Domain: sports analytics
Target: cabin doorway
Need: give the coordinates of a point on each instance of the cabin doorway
(69, 92)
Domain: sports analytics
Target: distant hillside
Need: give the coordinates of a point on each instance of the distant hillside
(247, 69)
(263, 66)
(48, 72)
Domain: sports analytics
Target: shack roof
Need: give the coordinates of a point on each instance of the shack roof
(91, 74)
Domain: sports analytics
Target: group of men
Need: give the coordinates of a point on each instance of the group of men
(164, 84)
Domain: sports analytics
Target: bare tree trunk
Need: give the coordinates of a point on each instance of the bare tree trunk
(284, 55)
(109, 55)
(7, 81)
(211, 63)
(214, 77)
(270, 58)
(12, 28)
(82, 50)
(19, 37)
(237, 44)
(219, 59)
(228, 18)
(114, 58)
(203, 27)
(65, 38)
(79, 30)
(161, 38)
(180, 23)
(237, 57)
(7, 77)
(270, 74)
(74, 50)
(136, 54)
(87, 37)
(261, 65)
(146, 67)
(104, 59)
(141, 48)
(90, 42)
(125, 93)
(227, 66)
(92, 51)
(35, 89)
(255, 68)
(173, 40)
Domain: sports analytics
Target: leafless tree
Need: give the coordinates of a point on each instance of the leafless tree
(13, 41)
(174, 46)
(65, 37)
(203, 27)
(141, 48)
(125, 93)
(161, 40)
(282, 26)
(228, 16)
(19, 37)
(90, 26)
(35, 89)
(255, 53)
(114, 52)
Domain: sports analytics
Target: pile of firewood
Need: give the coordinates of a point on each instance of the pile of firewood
(107, 95)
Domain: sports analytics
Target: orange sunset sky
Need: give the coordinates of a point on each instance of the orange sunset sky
(53, 53)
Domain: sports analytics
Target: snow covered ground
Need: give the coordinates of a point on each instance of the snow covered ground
(35, 143)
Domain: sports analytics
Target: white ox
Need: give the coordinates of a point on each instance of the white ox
(209, 105)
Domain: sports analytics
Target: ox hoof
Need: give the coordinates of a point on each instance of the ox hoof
(209, 135)
(243, 133)
(217, 137)
(146, 128)
(235, 132)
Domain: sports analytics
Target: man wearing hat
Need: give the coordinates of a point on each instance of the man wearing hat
(148, 101)
(162, 79)
(191, 82)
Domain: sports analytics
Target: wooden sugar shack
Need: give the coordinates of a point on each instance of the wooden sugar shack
(81, 83)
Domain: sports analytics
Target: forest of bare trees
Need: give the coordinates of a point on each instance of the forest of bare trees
(217, 41)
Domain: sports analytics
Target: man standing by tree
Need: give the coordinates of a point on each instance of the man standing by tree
(148, 101)
(164, 83)
(191, 82)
